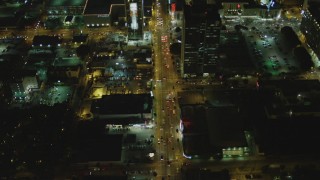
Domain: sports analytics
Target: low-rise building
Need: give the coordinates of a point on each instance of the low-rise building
(79, 39)
(46, 41)
(65, 69)
(102, 13)
(24, 82)
(8, 17)
(310, 26)
(127, 108)
(290, 119)
(58, 8)
(250, 8)
(212, 127)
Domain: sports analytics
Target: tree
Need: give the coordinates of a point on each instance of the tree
(83, 50)
(175, 48)
(290, 36)
(178, 29)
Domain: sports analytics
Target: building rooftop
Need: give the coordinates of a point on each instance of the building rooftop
(104, 177)
(204, 174)
(66, 62)
(122, 104)
(80, 38)
(147, 11)
(179, 4)
(190, 97)
(25, 72)
(236, 1)
(209, 12)
(291, 114)
(212, 127)
(237, 58)
(67, 3)
(290, 135)
(227, 126)
(301, 96)
(95, 145)
(147, 3)
(264, 111)
(41, 56)
(8, 17)
(314, 9)
(45, 40)
(191, 13)
(8, 11)
(143, 56)
(216, 118)
(102, 6)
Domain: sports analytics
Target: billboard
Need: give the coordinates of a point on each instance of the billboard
(134, 16)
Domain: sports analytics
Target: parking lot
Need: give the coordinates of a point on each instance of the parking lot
(268, 49)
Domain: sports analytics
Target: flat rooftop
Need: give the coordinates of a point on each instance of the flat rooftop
(93, 144)
(8, 11)
(67, 61)
(301, 96)
(101, 6)
(44, 40)
(291, 116)
(290, 135)
(122, 104)
(208, 129)
(215, 119)
(57, 3)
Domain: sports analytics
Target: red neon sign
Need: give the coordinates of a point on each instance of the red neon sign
(173, 7)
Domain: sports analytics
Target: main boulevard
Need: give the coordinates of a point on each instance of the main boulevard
(169, 149)
(169, 160)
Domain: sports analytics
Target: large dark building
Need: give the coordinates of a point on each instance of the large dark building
(251, 8)
(291, 117)
(278, 118)
(310, 26)
(57, 8)
(130, 108)
(103, 13)
(200, 40)
(212, 123)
